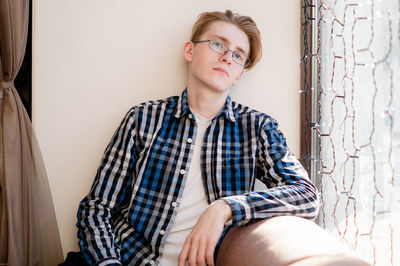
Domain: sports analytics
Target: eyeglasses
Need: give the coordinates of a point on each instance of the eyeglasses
(221, 49)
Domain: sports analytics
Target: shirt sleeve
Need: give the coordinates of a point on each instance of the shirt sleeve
(290, 191)
(110, 187)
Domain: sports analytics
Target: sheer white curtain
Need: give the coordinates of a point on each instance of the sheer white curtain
(359, 124)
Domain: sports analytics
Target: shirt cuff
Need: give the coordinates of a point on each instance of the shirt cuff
(240, 210)
(229, 222)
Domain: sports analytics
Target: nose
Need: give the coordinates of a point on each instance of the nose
(227, 57)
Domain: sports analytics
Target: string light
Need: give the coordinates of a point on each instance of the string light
(353, 153)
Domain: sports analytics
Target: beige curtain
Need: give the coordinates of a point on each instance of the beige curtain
(28, 226)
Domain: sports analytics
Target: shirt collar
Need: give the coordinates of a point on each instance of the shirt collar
(183, 108)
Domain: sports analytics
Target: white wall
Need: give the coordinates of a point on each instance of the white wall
(93, 60)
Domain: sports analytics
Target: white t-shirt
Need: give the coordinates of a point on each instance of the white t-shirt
(193, 202)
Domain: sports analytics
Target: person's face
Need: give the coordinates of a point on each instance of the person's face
(210, 69)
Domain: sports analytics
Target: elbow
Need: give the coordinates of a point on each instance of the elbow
(314, 201)
(314, 209)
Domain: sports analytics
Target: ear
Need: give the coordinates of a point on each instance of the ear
(237, 79)
(188, 51)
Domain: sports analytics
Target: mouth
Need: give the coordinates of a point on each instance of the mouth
(221, 70)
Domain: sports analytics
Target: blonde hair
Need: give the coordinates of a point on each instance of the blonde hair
(244, 23)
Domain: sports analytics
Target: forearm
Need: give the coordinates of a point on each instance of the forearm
(110, 186)
(290, 191)
(296, 199)
(95, 233)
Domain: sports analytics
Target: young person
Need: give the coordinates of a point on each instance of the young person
(179, 172)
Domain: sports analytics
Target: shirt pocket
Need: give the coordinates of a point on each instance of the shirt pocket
(237, 175)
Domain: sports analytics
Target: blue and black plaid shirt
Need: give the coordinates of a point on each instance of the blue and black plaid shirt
(132, 204)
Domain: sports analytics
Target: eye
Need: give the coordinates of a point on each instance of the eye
(239, 56)
(218, 44)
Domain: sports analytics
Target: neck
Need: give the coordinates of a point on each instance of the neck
(206, 102)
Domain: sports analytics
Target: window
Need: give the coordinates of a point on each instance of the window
(351, 103)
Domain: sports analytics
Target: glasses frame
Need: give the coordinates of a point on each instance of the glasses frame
(248, 61)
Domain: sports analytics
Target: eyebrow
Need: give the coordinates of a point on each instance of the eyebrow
(238, 48)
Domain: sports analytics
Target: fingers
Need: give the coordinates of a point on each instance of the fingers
(210, 255)
(194, 244)
(184, 253)
(197, 252)
(201, 258)
(200, 244)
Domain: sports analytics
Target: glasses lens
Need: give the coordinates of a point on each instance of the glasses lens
(217, 47)
(221, 49)
(239, 58)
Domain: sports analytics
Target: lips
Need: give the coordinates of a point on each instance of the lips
(222, 70)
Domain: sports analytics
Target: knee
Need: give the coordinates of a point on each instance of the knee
(284, 240)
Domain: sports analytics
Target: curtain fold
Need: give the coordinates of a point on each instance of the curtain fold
(28, 227)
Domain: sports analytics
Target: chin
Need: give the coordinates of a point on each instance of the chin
(220, 89)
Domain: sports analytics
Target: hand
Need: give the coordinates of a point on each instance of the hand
(201, 242)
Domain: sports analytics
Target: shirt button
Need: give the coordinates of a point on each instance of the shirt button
(162, 232)
(182, 171)
(190, 116)
(174, 204)
(189, 140)
(151, 262)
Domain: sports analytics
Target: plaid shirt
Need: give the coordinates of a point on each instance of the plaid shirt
(136, 193)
